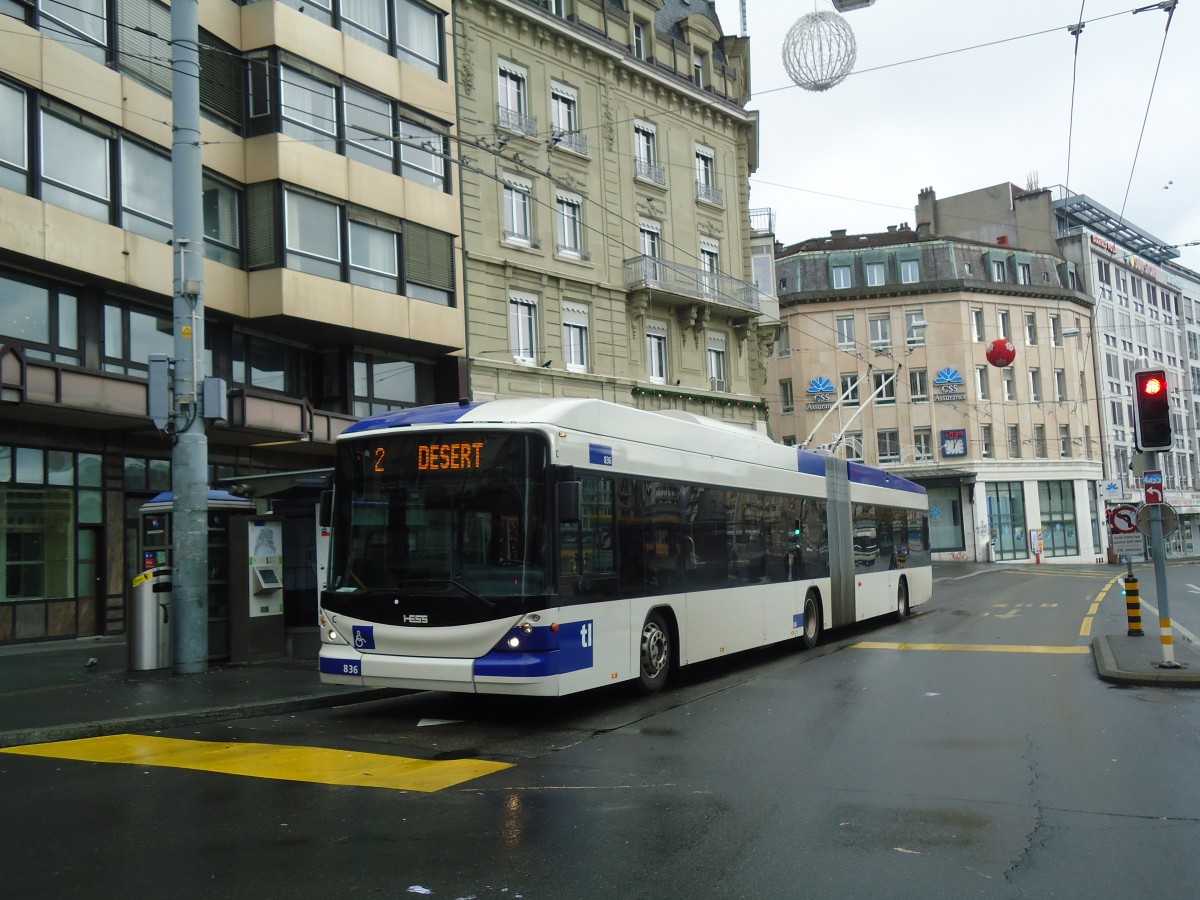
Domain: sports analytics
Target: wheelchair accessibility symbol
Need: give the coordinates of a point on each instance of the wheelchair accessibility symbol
(364, 637)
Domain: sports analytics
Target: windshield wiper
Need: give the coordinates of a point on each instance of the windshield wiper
(410, 583)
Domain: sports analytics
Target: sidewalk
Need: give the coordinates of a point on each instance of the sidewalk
(48, 692)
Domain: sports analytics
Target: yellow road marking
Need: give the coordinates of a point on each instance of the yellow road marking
(318, 765)
(1085, 629)
(973, 648)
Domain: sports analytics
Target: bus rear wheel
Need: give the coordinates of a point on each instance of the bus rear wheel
(902, 601)
(654, 655)
(812, 621)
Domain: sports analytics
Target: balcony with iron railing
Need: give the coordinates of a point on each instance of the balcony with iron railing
(710, 194)
(762, 221)
(673, 282)
(648, 171)
(575, 141)
(514, 120)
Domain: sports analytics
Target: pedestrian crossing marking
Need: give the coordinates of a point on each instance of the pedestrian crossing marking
(318, 765)
(974, 648)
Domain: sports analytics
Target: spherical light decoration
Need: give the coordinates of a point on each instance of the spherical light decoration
(1001, 352)
(819, 50)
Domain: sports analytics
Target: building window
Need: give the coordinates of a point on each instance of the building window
(14, 139)
(75, 167)
(910, 271)
(1024, 273)
(706, 177)
(923, 444)
(998, 274)
(718, 378)
(977, 325)
(513, 101)
(575, 336)
(783, 343)
(313, 239)
(569, 225)
(1010, 384)
(418, 35)
(881, 331)
(131, 334)
(648, 234)
(1014, 442)
(710, 266)
(854, 446)
(382, 383)
(517, 209)
(1006, 516)
(523, 327)
(641, 48)
(849, 389)
(1060, 385)
(82, 25)
(269, 365)
(1002, 324)
(1056, 335)
(883, 386)
(840, 276)
(1039, 441)
(875, 274)
(1031, 336)
(564, 116)
(645, 154)
(1060, 535)
(656, 352)
(1035, 385)
(986, 451)
(982, 383)
(374, 257)
(918, 385)
(914, 327)
(699, 64)
(43, 318)
(146, 191)
(845, 331)
(309, 108)
(888, 445)
(786, 398)
(1064, 441)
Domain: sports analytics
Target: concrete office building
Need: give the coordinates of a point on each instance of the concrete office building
(331, 223)
(898, 323)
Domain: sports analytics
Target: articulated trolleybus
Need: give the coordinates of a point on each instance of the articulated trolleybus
(543, 547)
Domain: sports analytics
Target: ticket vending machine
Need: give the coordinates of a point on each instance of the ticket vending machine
(257, 627)
(156, 546)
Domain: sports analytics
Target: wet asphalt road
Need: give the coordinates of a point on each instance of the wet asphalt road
(973, 769)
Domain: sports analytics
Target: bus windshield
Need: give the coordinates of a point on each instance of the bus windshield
(441, 509)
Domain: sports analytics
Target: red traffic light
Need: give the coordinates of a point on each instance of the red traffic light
(1152, 410)
(1153, 385)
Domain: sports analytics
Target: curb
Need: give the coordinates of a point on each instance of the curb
(1108, 670)
(158, 721)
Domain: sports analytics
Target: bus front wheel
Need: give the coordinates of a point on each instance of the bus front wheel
(902, 601)
(654, 656)
(812, 621)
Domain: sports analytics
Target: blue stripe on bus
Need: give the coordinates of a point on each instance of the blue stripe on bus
(332, 666)
(439, 413)
(573, 654)
(810, 463)
(860, 474)
(600, 455)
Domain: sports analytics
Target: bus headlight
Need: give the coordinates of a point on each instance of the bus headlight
(514, 642)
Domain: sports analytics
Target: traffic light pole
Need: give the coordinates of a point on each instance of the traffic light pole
(1158, 551)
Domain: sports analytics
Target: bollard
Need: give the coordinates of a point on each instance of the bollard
(1133, 607)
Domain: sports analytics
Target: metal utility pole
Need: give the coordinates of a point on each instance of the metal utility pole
(189, 459)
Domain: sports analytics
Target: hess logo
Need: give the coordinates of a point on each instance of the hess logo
(416, 620)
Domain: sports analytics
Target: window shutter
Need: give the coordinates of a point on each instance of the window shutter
(428, 256)
(261, 226)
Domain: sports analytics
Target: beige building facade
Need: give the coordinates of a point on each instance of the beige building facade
(606, 154)
(885, 361)
(331, 270)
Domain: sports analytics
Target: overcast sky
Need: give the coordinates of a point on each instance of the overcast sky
(857, 155)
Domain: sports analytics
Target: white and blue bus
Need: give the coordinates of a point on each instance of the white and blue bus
(543, 547)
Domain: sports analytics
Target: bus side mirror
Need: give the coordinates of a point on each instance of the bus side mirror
(325, 509)
(570, 500)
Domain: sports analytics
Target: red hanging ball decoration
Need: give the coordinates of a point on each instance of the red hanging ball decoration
(1001, 352)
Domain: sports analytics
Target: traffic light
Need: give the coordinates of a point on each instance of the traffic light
(1152, 410)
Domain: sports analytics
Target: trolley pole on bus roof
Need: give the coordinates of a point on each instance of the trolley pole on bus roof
(189, 458)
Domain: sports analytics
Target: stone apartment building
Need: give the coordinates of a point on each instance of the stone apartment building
(607, 151)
